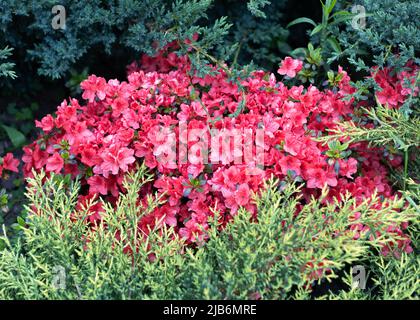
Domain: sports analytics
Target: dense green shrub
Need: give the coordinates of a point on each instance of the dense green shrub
(128, 28)
(58, 256)
(390, 39)
(260, 35)
(6, 68)
(131, 24)
(391, 27)
(392, 280)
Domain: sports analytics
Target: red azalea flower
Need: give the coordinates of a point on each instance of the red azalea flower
(116, 158)
(98, 185)
(290, 67)
(46, 124)
(388, 96)
(348, 168)
(55, 163)
(317, 178)
(10, 163)
(242, 195)
(90, 156)
(93, 87)
(290, 163)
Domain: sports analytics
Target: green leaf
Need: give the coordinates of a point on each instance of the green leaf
(330, 75)
(298, 52)
(20, 221)
(334, 44)
(341, 13)
(317, 29)
(301, 20)
(342, 18)
(17, 137)
(325, 11)
(331, 5)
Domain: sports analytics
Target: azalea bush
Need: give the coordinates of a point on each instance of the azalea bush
(283, 255)
(164, 117)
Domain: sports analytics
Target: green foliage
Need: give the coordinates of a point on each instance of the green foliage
(15, 136)
(271, 257)
(391, 279)
(390, 25)
(390, 38)
(75, 78)
(21, 117)
(6, 70)
(134, 26)
(313, 61)
(412, 194)
(367, 32)
(257, 31)
(55, 236)
(4, 200)
(6, 67)
(275, 258)
(138, 25)
(255, 6)
(391, 128)
(393, 131)
(325, 40)
(58, 256)
(325, 27)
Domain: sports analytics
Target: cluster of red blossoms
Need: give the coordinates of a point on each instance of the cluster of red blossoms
(395, 87)
(9, 163)
(125, 123)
